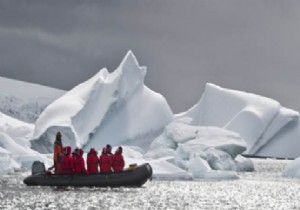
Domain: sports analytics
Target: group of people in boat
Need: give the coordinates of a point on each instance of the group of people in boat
(68, 162)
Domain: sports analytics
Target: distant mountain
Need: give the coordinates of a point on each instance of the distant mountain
(25, 101)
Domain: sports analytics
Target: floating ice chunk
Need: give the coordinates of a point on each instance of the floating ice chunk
(23, 155)
(243, 164)
(283, 118)
(18, 130)
(161, 152)
(163, 142)
(178, 162)
(213, 137)
(7, 163)
(198, 167)
(180, 132)
(163, 169)
(219, 160)
(292, 170)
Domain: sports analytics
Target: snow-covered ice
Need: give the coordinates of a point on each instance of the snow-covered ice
(25, 101)
(262, 122)
(110, 107)
(292, 170)
(15, 151)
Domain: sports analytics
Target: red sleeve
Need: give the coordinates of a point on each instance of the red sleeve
(123, 161)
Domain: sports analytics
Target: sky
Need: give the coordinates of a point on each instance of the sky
(251, 45)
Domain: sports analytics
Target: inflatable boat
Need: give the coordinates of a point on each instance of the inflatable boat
(135, 177)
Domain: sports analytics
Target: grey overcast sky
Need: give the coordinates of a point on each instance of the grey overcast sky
(249, 45)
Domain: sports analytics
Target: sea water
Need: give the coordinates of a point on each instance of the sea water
(262, 189)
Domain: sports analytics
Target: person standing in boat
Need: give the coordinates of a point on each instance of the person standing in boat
(105, 161)
(67, 164)
(92, 161)
(79, 167)
(118, 162)
(58, 153)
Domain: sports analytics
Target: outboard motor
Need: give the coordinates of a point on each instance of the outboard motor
(38, 168)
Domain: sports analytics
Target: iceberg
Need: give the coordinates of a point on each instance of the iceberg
(115, 108)
(13, 156)
(7, 163)
(205, 152)
(257, 119)
(15, 151)
(292, 170)
(16, 129)
(204, 142)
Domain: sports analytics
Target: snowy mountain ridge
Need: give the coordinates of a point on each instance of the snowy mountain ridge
(25, 101)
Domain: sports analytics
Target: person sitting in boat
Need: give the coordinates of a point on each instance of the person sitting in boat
(79, 167)
(108, 149)
(67, 161)
(118, 162)
(92, 162)
(58, 153)
(105, 161)
(74, 154)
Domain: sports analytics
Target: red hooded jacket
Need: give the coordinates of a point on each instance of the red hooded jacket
(79, 167)
(67, 161)
(92, 161)
(105, 162)
(118, 161)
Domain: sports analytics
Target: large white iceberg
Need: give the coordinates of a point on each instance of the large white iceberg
(110, 107)
(258, 120)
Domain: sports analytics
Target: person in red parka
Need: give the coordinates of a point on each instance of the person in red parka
(118, 162)
(67, 161)
(58, 153)
(79, 167)
(105, 162)
(92, 162)
(108, 149)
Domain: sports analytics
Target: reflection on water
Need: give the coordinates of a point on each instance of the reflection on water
(263, 189)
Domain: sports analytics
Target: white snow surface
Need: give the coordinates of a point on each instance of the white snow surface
(257, 119)
(204, 152)
(115, 108)
(15, 151)
(18, 130)
(25, 101)
(292, 170)
(14, 155)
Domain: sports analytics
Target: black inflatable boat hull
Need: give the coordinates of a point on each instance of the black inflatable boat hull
(136, 177)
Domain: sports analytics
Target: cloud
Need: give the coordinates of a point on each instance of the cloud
(247, 45)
